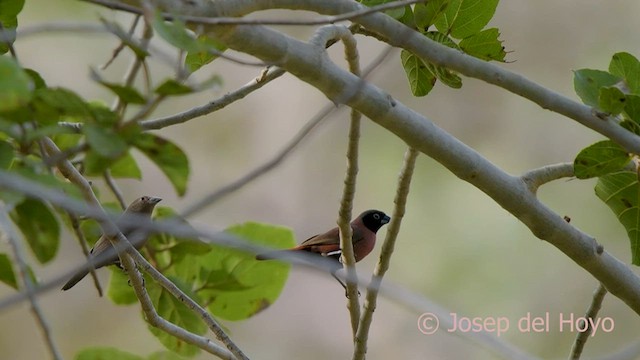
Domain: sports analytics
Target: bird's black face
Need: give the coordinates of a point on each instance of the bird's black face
(374, 219)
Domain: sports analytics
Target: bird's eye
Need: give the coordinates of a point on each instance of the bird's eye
(144, 198)
(376, 216)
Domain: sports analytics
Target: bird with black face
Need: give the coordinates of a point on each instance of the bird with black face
(327, 244)
(142, 206)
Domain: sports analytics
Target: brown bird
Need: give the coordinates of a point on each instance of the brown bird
(141, 206)
(327, 244)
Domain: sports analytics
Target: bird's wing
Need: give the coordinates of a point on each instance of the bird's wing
(332, 237)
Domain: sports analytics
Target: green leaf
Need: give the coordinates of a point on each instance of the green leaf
(119, 290)
(7, 275)
(105, 353)
(39, 227)
(448, 77)
(52, 103)
(173, 87)
(6, 155)
(168, 157)
(426, 14)
(238, 286)
(197, 59)
(587, 83)
(396, 13)
(484, 45)
(126, 167)
(177, 313)
(15, 85)
(172, 248)
(104, 141)
(175, 33)
(611, 100)
(126, 94)
(421, 80)
(37, 80)
(463, 18)
(165, 355)
(9, 10)
(599, 159)
(620, 192)
(95, 164)
(627, 67)
(632, 108)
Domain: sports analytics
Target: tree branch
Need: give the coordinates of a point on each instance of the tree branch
(592, 312)
(402, 192)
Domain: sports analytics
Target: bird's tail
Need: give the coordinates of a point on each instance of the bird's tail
(273, 255)
(75, 279)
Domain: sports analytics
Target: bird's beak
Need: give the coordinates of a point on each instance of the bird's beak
(385, 219)
(154, 200)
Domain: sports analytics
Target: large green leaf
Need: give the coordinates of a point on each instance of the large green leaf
(632, 108)
(7, 275)
(463, 18)
(52, 103)
(39, 227)
(587, 83)
(446, 76)
(126, 167)
(174, 311)
(627, 67)
(611, 100)
(620, 192)
(599, 159)
(235, 284)
(104, 141)
(15, 85)
(6, 155)
(484, 45)
(396, 13)
(168, 157)
(426, 14)
(421, 80)
(119, 289)
(105, 353)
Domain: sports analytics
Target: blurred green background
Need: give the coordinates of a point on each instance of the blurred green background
(457, 247)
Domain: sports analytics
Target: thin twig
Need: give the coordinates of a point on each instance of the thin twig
(27, 284)
(592, 312)
(118, 105)
(263, 168)
(122, 44)
(115, 190)
(321, 38)
(240, 93)
(75, 224)
(371, 300)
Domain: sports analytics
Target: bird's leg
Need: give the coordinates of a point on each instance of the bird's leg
(346, 294)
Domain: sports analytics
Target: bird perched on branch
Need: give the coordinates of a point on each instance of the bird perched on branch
(143, 207)
(327, 244)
